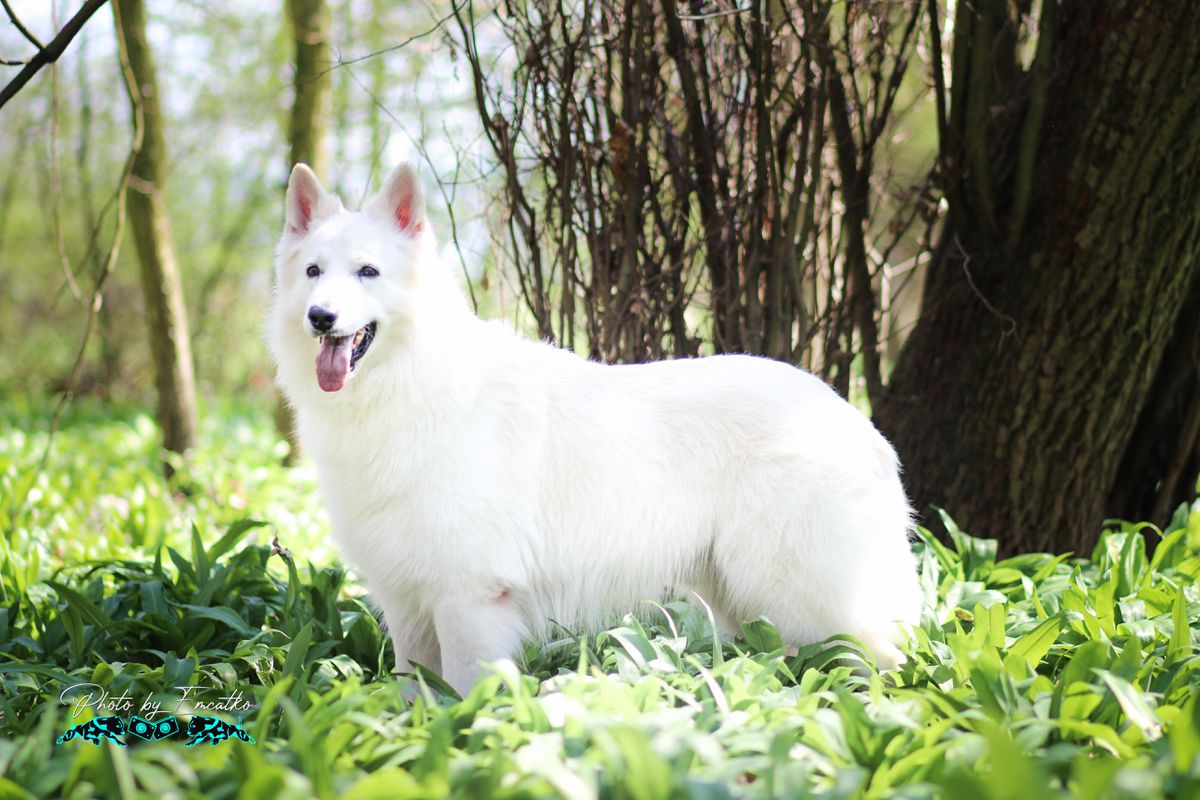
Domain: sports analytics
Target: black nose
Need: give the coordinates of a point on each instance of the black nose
(321, 320)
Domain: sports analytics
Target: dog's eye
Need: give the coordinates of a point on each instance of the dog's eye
(368, 271)
(313, 271)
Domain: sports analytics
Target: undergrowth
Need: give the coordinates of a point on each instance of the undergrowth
(1035, 676)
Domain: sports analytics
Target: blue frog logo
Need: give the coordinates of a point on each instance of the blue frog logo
(96, 730)
(214, 731)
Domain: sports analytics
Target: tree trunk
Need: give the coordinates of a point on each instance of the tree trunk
(1072, 244)
(170, 348)
(306, 130)
(311, 81)
(1159, 468)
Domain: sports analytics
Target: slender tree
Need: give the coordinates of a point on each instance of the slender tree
(107, 325)
(1062, 273)
(311, 82)
(306, 126)
(165, 314)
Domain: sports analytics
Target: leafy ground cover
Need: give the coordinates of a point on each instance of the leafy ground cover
(1035, 676)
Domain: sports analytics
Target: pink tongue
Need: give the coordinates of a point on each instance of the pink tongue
(333, 362)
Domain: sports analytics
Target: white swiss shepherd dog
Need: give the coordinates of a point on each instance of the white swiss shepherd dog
(489, 487)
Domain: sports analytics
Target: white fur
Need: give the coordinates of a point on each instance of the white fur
(487, 486)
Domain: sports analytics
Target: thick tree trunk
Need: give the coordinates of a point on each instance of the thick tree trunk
(1159, 468)
(306, 129)
(1072, 245)
(167, 320)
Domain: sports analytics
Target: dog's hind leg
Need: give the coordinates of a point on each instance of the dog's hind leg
(826, 555)
(477, 627)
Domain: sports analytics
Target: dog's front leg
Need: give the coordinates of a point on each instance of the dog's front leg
(412, 635)
(477, 627)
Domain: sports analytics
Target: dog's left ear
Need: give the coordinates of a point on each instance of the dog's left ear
(401, 200)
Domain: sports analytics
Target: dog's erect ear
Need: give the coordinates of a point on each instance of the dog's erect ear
(401, 199)
(307, 200)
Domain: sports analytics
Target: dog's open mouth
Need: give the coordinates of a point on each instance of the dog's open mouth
(339, 355)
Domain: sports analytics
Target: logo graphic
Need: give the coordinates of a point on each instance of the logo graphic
(199, 729)
(153, 731)
(213, 730)
(95, 730)
(149, 721)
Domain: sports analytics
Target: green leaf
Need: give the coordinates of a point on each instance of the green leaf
(153, 600)
(199, 558)
(85, 607)
(762, 636)
(978, 555)
(183, 565)
(1180, 643)
(293, 665)
(222, 614)
(236, 533)
(1033, 646)
(1165, 555)
(1179, 520)
(177, 672)
(1133, 702)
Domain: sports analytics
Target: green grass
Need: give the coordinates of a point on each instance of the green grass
(1030, 677)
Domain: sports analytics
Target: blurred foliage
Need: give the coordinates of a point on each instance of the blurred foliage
(1035, 676)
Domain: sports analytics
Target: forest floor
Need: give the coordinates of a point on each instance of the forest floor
(1032, 677)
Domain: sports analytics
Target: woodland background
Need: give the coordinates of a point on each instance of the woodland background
(977, 220)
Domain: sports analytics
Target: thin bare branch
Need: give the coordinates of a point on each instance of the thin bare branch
(12, 17)
(51, 52)
(425, 34)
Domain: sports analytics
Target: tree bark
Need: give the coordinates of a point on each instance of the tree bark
(170, 347)
(1072, 244)
(311, 81)
(306, 131)
(1159, 468)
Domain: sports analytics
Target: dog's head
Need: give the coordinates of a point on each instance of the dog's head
(345, 280)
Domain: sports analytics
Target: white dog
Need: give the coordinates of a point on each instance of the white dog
(487, 486)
